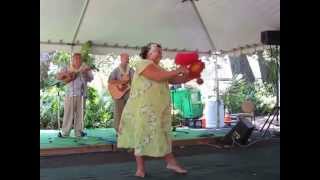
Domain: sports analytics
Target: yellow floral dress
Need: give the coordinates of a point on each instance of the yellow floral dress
(146, 118)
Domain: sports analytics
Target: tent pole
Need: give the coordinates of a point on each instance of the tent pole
(217, 90)
(83, 12)
(203, 25)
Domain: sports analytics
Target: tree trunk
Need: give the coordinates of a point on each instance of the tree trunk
(263, 67)
(240, 65)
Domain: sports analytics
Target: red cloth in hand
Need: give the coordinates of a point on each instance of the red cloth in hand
(191, 61)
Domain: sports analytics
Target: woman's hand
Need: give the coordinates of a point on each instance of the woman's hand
(183, 78)
(182, 70)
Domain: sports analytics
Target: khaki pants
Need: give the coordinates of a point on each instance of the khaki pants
(73, 115)
(118, 108)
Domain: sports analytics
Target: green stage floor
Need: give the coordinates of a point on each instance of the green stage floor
(101, 136)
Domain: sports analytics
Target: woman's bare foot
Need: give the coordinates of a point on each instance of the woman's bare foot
(140, 174)
(177, 169)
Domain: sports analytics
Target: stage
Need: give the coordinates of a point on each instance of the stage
(104, 139)
(198, 150)
(260, 161)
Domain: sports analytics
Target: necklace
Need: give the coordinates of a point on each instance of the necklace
(124, 71)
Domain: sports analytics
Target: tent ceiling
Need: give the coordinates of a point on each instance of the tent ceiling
(237, 23)
(174, 24)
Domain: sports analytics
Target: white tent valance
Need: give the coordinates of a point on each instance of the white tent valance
(206, 25)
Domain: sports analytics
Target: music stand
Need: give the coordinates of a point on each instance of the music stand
(274, 114)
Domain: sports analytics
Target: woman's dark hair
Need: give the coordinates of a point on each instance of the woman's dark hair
(145, 49)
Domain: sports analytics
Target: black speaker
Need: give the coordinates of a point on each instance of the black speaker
(240, 132)
(270, 37)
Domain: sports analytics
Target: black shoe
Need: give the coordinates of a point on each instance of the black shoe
(60, 135)
(83, 134)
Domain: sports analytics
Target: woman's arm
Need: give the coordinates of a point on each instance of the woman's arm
(154, 73)
(180, 79)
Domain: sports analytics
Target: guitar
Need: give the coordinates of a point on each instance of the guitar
(118, 90)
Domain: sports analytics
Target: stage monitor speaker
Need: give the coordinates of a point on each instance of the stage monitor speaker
(240, 132)
(270, 37)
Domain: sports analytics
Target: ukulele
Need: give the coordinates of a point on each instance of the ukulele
(72, 73)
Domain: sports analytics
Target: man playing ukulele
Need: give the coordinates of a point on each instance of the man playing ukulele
(76, 77)
(119, 86)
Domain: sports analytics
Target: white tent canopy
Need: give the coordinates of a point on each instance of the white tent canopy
(206, 25)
